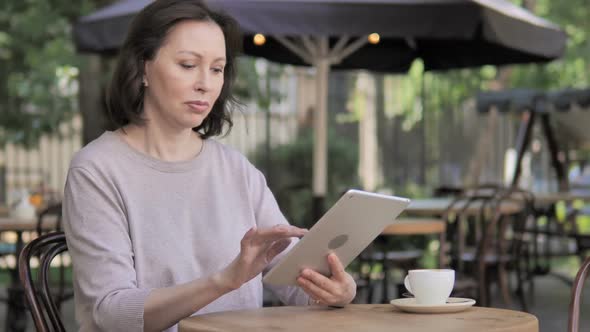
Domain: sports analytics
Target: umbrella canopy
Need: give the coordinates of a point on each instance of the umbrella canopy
(333, 34)
(445, 34)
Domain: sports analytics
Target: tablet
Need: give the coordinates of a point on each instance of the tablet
(356, 219)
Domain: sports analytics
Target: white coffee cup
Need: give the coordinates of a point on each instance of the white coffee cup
(430, 287)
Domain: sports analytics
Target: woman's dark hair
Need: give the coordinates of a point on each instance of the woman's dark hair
(146, 35)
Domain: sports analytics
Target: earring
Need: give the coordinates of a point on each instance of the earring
(145, 83)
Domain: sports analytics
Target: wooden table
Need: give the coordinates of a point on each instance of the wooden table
(438, 206)
(547, 199)
(360, 317)
(415, 226)
(419, 226)
(11, 224)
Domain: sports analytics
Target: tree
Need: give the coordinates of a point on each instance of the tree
(258, 81)
(40, 67)
(573, 70)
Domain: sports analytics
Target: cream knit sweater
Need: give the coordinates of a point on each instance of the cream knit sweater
(134, 223)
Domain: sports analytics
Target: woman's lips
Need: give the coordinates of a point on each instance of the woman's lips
(198, 106)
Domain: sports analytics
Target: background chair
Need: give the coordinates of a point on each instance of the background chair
(576, 300)
(38, 294)
(51, 212)
(465, 216)
(487, 242)
(49, 220)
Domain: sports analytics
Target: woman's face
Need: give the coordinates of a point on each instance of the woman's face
(185, 77)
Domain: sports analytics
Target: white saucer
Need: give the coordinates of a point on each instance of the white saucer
(454, 304)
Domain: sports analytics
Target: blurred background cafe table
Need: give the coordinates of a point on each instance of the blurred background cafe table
(360, 317)
(431, 207)
(559, 229)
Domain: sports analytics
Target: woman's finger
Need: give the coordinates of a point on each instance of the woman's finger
(278, 232)
(247, 238)
(320, 281)
(276, 248)
(314, 291)
(336, 267)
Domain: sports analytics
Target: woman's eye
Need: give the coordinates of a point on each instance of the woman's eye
(187, 66)
(218, 70)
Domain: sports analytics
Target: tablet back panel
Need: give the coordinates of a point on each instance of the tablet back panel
(355, 220)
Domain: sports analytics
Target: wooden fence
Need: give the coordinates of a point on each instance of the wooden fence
(47, 163)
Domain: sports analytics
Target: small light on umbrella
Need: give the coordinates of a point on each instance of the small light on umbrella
(374, 38)
(259, 39)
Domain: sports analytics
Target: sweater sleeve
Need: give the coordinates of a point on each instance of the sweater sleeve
(268, 214)
(98, 239)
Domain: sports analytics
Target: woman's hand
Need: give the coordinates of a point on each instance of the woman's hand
(338, 290)
(258, 248)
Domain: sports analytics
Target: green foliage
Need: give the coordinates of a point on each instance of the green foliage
(573, 70)
(257, 80)
(39, 65)
(290, 178)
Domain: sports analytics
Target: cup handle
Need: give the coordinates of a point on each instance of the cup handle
(407, 284)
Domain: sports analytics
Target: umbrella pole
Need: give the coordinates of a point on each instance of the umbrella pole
(320, 125)
(318, 53)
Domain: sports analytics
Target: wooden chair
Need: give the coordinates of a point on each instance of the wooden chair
(558, 239)
(509, 250)
(574, 313)
(404, 260)
(446, 191)
(485, 245)
(38, 294)
(378, 253)
(54, 213)
(463, 217)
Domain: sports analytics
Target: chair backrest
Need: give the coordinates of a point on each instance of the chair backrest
(482, 232)
(460, 214)
(43, 309)
(53, 210)
(576, 300)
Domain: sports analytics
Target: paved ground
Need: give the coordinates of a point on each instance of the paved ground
(550, 306)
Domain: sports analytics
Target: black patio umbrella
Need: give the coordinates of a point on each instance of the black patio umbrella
(445, 34)
(378, 35)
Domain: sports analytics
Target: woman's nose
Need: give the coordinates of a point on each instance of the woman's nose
(202, 81)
